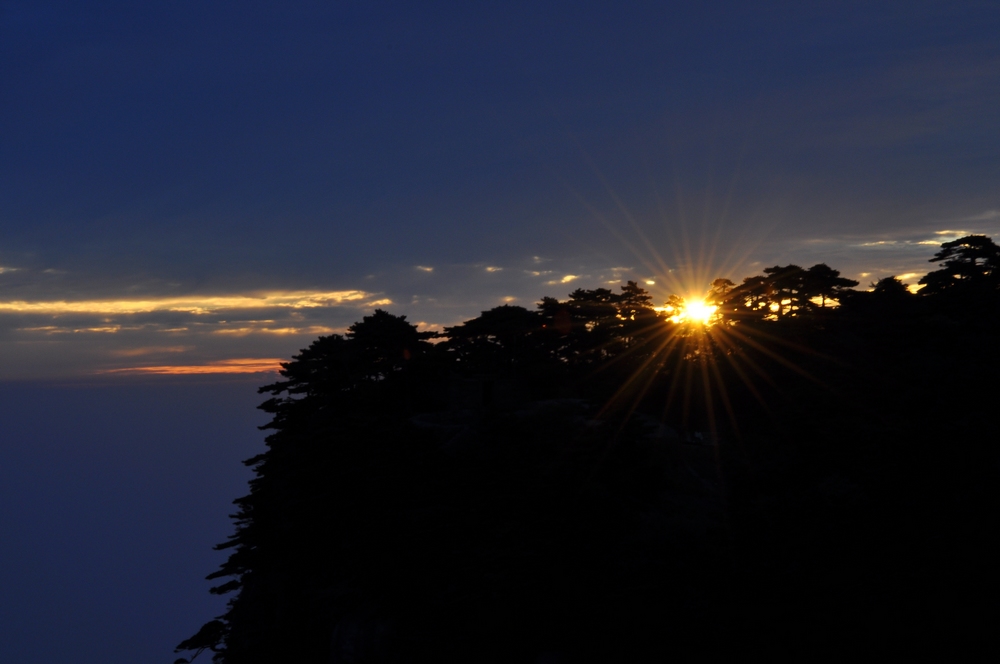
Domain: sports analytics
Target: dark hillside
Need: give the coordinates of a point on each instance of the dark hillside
(598, 480)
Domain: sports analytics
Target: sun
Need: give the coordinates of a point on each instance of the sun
(699, 311)
(693, 311)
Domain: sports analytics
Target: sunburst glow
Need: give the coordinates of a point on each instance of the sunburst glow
(692, 311)
(698, 311)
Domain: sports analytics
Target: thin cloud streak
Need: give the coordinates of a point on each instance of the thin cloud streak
(245, 365)
(193, 304)
(243, 331)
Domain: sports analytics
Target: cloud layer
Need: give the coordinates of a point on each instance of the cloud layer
(247, 332)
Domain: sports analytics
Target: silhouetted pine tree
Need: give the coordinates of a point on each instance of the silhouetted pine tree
(628, 485)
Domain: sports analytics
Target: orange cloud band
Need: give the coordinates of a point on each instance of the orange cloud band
(243, 365)
(194, 305)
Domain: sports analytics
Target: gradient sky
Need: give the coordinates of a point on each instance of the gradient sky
(190, 183)
(205, 187)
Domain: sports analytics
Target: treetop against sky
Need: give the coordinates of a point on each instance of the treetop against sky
(185, 184)
(206, 335)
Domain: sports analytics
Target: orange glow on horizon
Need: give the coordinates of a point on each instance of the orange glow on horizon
(243, 365)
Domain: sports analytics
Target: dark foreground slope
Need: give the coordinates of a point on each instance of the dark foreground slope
(593, 482)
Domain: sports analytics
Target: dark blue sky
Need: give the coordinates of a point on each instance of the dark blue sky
(160, 150)
(187, 184)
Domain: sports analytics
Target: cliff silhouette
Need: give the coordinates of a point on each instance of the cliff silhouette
(601, 480)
